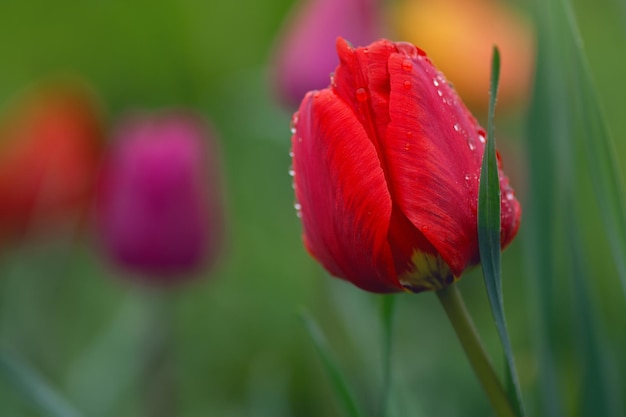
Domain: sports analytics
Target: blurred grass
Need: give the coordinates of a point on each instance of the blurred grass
(240, 349)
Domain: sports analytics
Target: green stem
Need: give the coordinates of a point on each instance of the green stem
(452, 302)
(387, 312)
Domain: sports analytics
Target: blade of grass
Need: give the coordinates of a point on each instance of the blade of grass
(604, 169)
(552, 217)
(547, 121)
(489, 235)
(33, 387)
(598, 392)
(340, 385)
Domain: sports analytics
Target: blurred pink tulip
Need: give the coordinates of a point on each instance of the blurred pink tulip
(158, 207)
(306, 48)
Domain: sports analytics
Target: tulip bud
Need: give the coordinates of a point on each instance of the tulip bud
(386, 165)
(50, 144)
(305, 55)
(158, 211)
(459, 36)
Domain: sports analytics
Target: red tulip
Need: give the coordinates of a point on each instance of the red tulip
(386, 163)
(49, 150)
(158, 202)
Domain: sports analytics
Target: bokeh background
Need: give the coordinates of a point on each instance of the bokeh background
(235, 344)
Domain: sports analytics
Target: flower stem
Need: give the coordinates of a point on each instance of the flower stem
(452, 302)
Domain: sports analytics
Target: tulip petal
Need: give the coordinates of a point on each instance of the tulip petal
(436, 149)
(342, 194)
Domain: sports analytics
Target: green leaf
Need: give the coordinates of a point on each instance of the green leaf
(34, 387)
(340, 385)
(489, 235)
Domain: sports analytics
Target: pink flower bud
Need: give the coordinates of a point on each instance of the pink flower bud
(158, 207)
(305, 56)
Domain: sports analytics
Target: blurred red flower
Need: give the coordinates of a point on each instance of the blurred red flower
(50, 143)
(158, 207)
(386, 163)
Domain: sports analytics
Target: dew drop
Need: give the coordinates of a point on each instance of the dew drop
(407, 65)
(435, 82)
(471, 143)
(407, 49)
(439, 93)
(467, 177)
(424, 228)
(482, 138)
(407, 146)
(509, 195)
(291, 154)
(407, 84)
(361, 94)
(298, 208)
(409, 134)
(457, 127)
(292, 172)
(294, 123)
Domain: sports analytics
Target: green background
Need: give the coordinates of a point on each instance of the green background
(238, 346)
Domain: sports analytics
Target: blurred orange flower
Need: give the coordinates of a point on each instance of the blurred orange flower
(459, 36)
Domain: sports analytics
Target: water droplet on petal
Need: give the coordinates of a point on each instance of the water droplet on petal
(435, 82)
(407, 65)
(291, 154)
(439, 93)
(292, 172)
(424, 228)
(407, 146)
(294, 123)
(361, 94)
(457, 127)
(407, 84)
(471, 143)
(467, 177)
(509, 195)
(407, 49)
(482, 138)
(409, 134)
